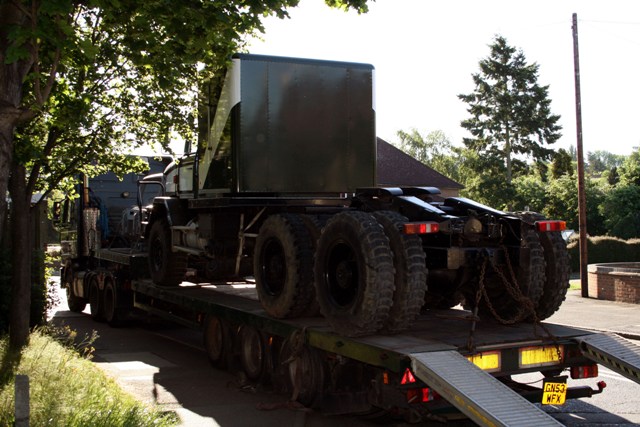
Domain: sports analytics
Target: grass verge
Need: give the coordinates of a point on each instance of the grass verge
(66, 389)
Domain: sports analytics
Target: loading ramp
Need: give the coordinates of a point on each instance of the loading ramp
(614, 352)
(477, 394)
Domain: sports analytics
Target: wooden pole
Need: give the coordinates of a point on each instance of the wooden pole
(582, 200)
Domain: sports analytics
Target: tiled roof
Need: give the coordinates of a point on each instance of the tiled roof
(396, 168)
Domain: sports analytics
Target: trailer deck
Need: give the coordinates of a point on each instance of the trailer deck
(436, 349)
(436, 330)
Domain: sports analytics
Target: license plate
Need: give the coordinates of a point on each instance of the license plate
(554, 391)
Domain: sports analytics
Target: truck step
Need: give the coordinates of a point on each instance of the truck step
(614, 352)
(475, 393)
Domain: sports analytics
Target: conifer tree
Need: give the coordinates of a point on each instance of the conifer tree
(510, 112)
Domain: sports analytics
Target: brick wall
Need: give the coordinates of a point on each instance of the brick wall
(614, 284)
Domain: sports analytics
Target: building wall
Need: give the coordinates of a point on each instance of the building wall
(615, 286)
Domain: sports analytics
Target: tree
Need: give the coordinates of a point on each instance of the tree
(613, 177)
(561, 164)
(510, 111)
(601, 161)
(621, 211)
(530, 193)
(80, 81)
(562, 203)
(629, 171)
(434, 150)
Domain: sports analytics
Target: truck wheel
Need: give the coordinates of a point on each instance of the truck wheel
(283, 266)
(314, 224)
(167, 267)
(410, 272)
(304, 372)
(252, 349)
(508, 306)
(95, 298)
(218, 341)
(76, 304)
(556, 285)
(116, 309)
(354, 274)
(556, 258)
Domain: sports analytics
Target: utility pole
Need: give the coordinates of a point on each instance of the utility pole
(582, 200)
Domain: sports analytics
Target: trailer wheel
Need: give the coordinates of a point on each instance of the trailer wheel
(354, 274)
(116, 309)
(95, 298)
(410, 272)
(530, 278)
(76, 304)
(252, 350)
(283, 266)
(304, 372)
(218, 341)
(556, 285)
(167, 267)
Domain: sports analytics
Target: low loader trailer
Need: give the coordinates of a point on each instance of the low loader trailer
(272, 237)
(449, 365)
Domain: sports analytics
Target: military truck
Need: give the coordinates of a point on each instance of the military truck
(282, 186)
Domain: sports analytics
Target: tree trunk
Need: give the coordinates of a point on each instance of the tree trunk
(21, 259)
(507, 153)
(6, 146)
(12, 76)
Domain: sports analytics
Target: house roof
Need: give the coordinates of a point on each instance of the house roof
(396, 168)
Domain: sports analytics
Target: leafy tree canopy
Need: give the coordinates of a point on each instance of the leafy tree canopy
(510, 112)
(561, 164)
(81, 82)
(630, 170)
(621, 211)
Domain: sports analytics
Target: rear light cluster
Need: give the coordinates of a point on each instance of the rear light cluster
(413, 395)
(551, 225)
(588, 371)
(421, 227)
(417, 395)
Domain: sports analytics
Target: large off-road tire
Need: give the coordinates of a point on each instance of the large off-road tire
(510, 307)
(556, 257)
(116, 306)
(314, 224)
(167, 268)
(76, 304)
(354, 274)
(410, 272)
(283, 266)
(556, 285)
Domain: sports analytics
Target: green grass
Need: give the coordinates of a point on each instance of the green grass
(574, 284)
(66, 389)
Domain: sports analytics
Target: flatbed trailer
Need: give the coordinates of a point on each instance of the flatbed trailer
(282, 187)
(445, 366)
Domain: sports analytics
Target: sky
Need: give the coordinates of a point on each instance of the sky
(425, 52)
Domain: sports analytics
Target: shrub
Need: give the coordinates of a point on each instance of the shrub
(602, 249)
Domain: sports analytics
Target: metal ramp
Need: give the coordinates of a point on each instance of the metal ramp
(614, 352)
(475, 393)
